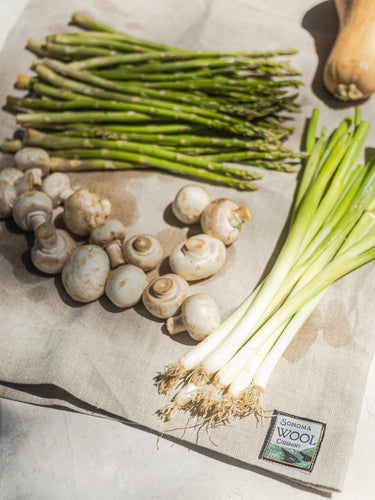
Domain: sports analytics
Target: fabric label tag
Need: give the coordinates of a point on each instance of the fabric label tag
(293, 441)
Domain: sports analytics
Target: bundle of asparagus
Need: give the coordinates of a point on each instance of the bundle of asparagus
(102, 99)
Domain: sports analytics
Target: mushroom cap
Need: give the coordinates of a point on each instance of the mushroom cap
(164, 295)
(85, 273)
(52, 248)
(31, 157)
(107, 232)
(125, 285)
(31, 204)
(8, 197)
(10, 174)
(201, 315)
(223, 219)
(143, 250)
(198, 257)
(190, 202)
(54, 185)
(83, 211)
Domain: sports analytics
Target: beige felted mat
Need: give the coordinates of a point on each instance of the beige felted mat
(94, 358)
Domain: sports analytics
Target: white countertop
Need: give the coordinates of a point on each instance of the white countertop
(51, 453)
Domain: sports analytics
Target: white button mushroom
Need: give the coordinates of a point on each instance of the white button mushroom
(198, 257)
(144, 251)
(85, 273)
(52, 248)
(31, 157)
(110, 235)
(164, 295)
(125, 285)
(58, 188)
(32, 209)
(13, 184)
(199, 317)
(84, 210)
(190, 202)
(223, 219)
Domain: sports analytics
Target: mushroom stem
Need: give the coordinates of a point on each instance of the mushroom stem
(27, 182)
(142, 244)
(175, 324)
(115, 254)
(46, 233)
(196, 246)
(242, 214)
(144, 251)
(52, 248)
(64, 195)
(197, 257)
(35, 219)
(32, 209)
(164, 295)
(163, 287)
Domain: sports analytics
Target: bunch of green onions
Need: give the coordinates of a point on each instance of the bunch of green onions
(332, 233)
(171, 106)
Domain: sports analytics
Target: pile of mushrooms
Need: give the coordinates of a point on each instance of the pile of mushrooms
(109, 263)
(197, 258)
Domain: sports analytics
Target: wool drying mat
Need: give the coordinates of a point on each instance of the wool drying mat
(96, 359)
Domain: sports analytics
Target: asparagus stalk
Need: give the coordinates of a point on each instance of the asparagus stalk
(182, 61)
(104, 31)
(121, 73)
(66, 52)
(45, 119)
(48, 141)
(94, 41)
(92, 25)
(142, 161)
(154, 128)
(119, 131)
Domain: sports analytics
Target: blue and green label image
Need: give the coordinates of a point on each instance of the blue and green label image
(293, 441)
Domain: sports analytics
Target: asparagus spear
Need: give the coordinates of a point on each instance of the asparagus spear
(93, 41)
(66, 52)
(36, 138)
(182, 60)
(142, 161)
(154, 128)
(92, 25)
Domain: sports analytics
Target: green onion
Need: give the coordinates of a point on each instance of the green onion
(331, 234)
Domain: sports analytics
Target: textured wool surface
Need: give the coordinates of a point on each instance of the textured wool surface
(97, 359)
